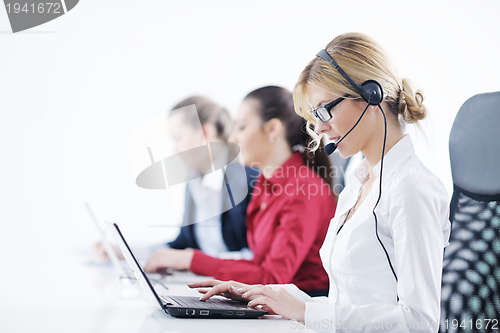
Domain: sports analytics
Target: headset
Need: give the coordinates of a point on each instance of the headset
(372, 93)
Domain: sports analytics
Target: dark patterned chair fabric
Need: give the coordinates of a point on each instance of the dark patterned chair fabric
(471, 269)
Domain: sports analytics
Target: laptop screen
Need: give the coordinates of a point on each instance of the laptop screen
(139, 273)
(105, 242)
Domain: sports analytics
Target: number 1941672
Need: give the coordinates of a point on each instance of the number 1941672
(48, 7)
(478, 324)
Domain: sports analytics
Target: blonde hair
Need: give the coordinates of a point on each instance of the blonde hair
(362, 59)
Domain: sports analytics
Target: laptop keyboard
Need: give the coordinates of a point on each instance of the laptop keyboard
(211, 303)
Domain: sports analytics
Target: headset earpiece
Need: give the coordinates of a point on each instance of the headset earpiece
(372, 92)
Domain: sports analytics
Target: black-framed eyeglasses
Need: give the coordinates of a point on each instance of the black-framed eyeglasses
(323, 112)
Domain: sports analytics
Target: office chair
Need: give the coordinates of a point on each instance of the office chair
(471, 268)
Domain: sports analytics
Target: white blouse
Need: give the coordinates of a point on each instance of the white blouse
(207, 196)
(414, 227)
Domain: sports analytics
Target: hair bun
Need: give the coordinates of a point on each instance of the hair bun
(410, 102)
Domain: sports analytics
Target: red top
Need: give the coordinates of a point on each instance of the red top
(287, 220)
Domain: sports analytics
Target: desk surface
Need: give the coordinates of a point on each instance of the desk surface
(87, 298)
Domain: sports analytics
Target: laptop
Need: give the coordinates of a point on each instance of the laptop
(113, 258)
(168, 276)
(183, 306)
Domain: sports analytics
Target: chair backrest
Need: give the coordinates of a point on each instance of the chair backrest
(475, 145)
(471, 267)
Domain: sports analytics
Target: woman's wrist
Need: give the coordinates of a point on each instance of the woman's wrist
(185, 258)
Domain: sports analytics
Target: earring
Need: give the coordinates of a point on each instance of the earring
(271, 140)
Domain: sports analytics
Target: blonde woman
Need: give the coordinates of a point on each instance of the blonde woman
(384, 248)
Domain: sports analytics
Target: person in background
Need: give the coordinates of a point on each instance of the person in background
(291, 204)
(384, 247)
(222, 234)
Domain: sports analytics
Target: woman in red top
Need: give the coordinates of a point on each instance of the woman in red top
(285, 241)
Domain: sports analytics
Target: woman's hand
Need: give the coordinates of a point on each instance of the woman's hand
(169, 258)
(227, 289)
(279, 301)
(100, 252)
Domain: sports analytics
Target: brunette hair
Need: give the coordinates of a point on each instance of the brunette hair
(277, 102)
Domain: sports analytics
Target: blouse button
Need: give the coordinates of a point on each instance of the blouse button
(263, 206)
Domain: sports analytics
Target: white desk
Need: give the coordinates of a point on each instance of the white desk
(92, 299)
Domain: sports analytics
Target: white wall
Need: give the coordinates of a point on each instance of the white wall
(72, 90)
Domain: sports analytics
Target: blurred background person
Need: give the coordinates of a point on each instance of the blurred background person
(223, 232)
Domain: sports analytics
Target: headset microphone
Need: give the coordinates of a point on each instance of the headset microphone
(331, 147)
